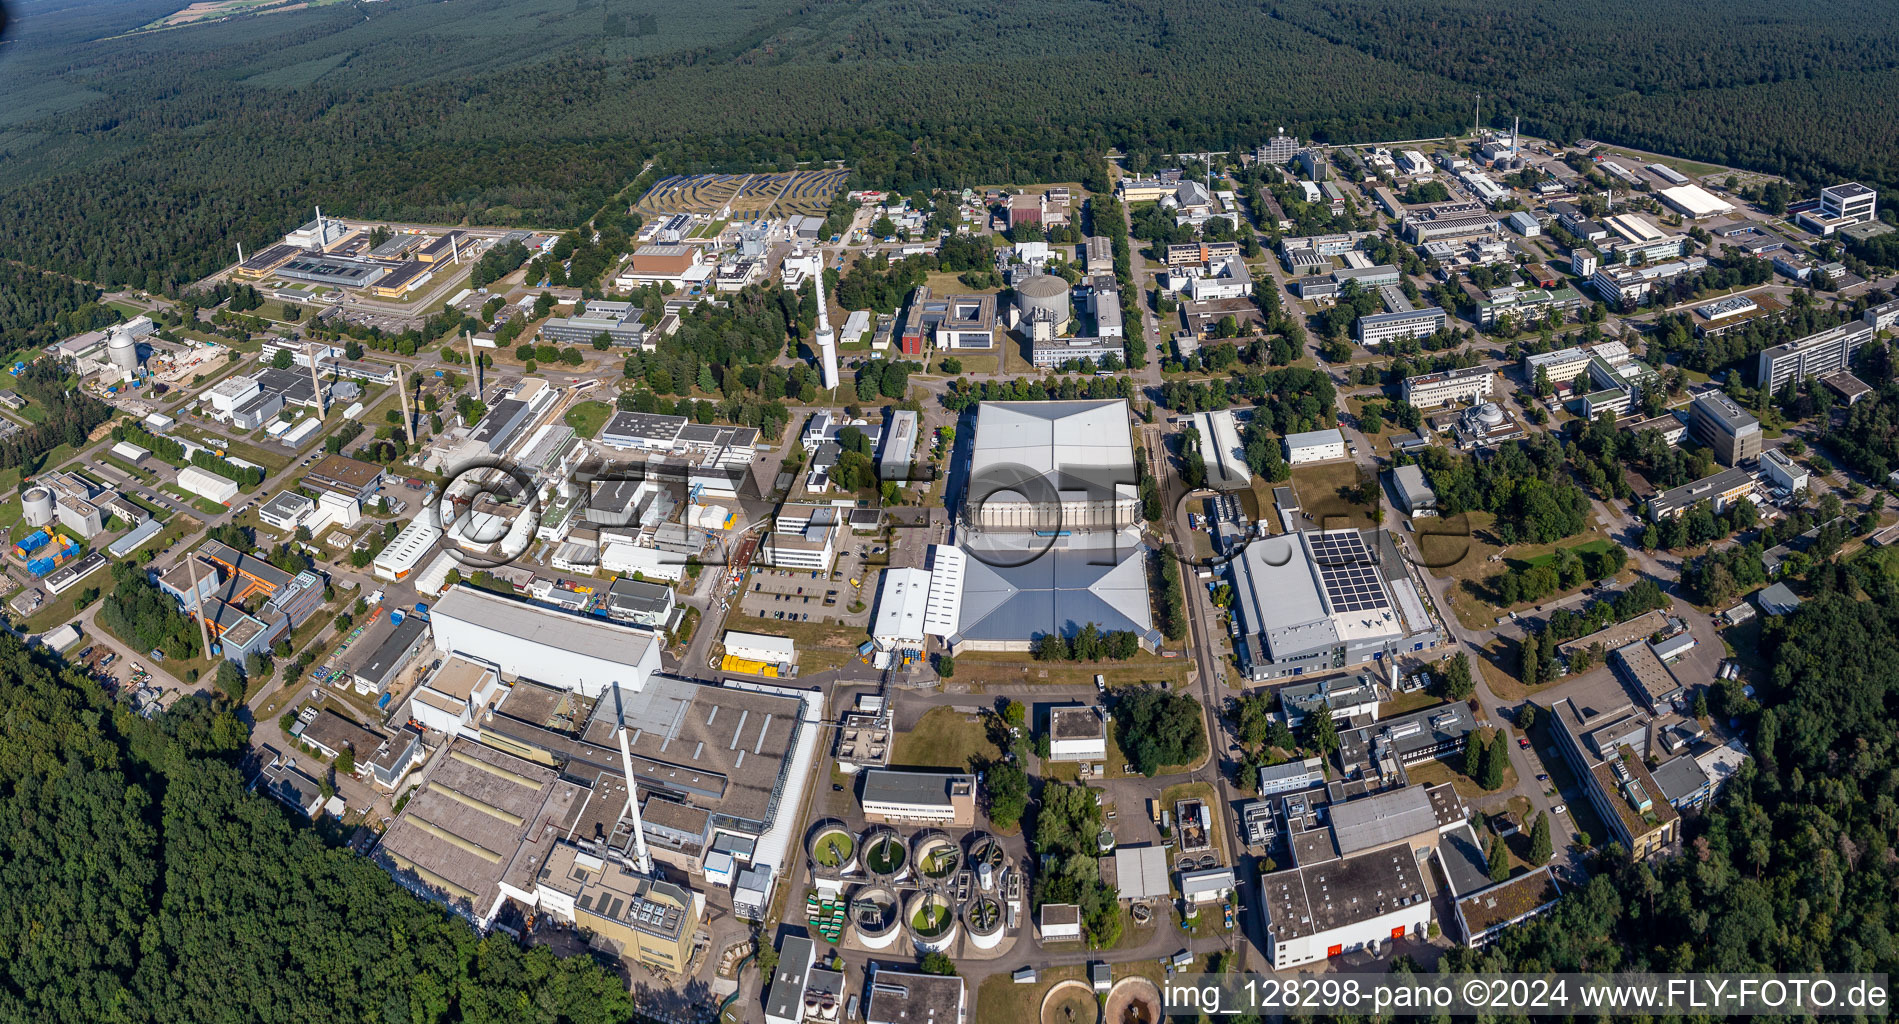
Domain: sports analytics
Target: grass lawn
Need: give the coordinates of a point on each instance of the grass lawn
(1465, 550)
(1319, 487)
(1014, 361)
(821, 645)
(588, 417)
(127, 308)
(975, 362)
(65, 607)
(1688, 167)
(944, 738)
(1407, 702)
(1436, 771)
(273, 461)
(127, 468)
(1593, 547)
(1001, 1001)
(1021, 667)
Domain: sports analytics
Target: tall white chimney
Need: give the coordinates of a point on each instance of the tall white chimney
(644, 859)
(315, 384)
(826, 338)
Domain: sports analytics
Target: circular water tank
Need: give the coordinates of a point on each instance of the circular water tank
(1043, 294)
(122, 349)
(37, 506)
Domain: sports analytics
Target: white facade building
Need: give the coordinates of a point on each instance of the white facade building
(573, 652)
(898, 621)
(1314, 446)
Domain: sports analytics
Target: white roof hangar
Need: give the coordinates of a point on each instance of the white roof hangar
(529, 641)
(1052, 466)
(1056, 586)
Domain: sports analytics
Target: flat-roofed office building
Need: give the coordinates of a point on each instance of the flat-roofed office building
(1721, 424)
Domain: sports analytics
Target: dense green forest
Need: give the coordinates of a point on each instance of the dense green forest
(1793, 870)
(145, 884)
(145, 157)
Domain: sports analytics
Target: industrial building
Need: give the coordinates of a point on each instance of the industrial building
(640, 603)
(404, 553)
(1644, 670)
(1630, 286)
(1484, 914)
(1320, 600)
(532, 642)
(1315, 446)
(905, 997)
(1815, 355)
(969, 323)
(1731, 431)
(1782, 471)
(286, 511)
(657, 264)
(1562, 365)
(1413, 491)
(1077, 733)
(1344, 700)
(380, 667)
(1041, 306)
(1342, 905)
(1428, 390)
(342, 475)
(1221, 450)
(896, 451)
(918, 797)
(619, 321)
(720, 770)
(1381, 753)
(1694, 202)
(452, 697)
(1423, 224)
(332, 271)
(227, 579)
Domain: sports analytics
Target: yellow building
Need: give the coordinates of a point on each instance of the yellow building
(647, 919)
(1144, 190)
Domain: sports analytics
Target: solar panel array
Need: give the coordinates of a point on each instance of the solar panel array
(1352, 581)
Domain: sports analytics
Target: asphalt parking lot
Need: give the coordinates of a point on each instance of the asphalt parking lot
(795, 594)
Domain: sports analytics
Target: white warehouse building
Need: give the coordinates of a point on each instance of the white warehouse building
(206, 484)
(522, 640)
(404, 552)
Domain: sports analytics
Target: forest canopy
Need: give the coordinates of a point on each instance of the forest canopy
(146, 884)
(228, 133)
